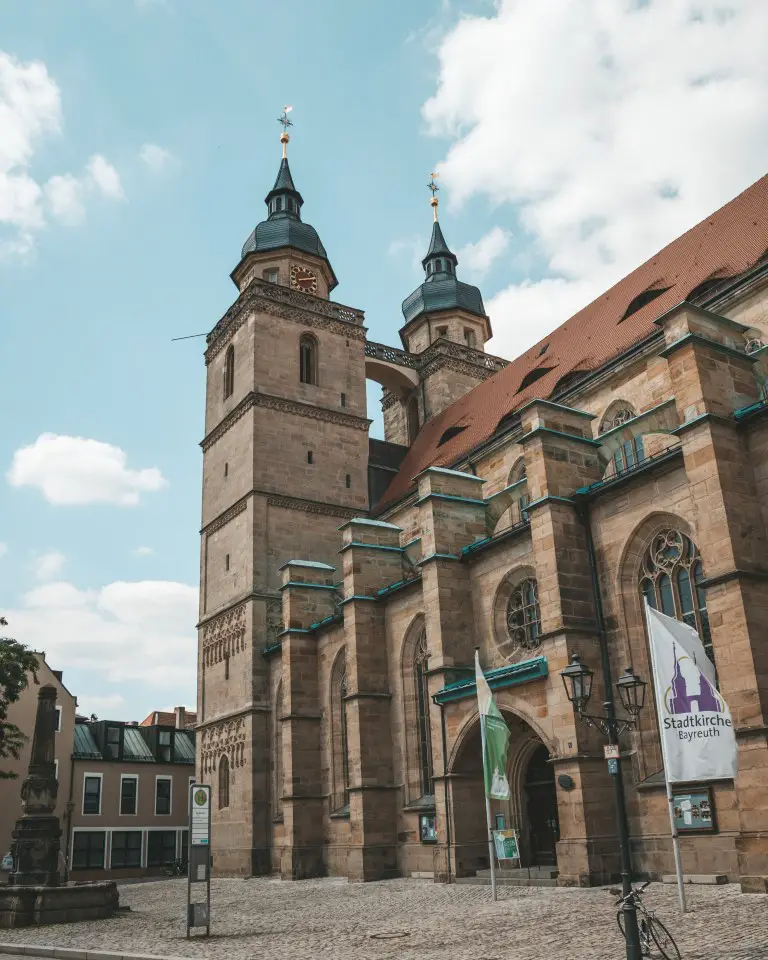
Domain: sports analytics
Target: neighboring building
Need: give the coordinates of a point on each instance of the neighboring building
(130, 797)
(23, 714)
(164, 718)
(337, 713)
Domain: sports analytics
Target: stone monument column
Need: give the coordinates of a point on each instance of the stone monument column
(35, 846)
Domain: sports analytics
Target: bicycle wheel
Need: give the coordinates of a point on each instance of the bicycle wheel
(642, 932)
(663, 939)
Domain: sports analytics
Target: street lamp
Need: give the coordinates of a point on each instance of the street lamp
(577, 680)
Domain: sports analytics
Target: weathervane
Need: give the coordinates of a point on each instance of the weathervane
(284, 121)
(434, 188)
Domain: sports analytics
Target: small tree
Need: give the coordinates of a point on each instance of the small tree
(16, 663)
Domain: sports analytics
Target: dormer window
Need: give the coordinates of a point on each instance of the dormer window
(165, 746)
(112, 745)
(278, 204)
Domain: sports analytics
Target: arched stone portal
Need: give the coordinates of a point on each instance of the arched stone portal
(531, 809)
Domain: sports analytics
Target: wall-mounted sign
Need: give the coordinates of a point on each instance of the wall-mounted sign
(694, 811)
(200, 816)
(505, 842)
(611, 751)
(428, 828)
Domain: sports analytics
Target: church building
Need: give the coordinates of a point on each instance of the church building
(524, 507)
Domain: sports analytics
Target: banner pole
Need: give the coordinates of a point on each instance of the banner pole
(488, 811)
(670, 798)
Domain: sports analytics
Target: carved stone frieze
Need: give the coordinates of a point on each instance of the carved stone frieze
(223, 519)
(389, 400)
(474, 370)
(311, 506)
(220, 739)
(294, 407)
(224, 636)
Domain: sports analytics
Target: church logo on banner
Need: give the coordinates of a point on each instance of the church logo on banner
(698, 739)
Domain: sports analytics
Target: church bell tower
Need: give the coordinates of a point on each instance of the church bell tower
(285, 457)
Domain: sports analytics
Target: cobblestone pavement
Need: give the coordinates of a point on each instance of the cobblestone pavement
(268, 919)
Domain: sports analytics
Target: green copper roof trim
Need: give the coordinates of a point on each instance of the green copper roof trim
(450, 496)
(366, 522)
(370, 546)
(312, 564)
(357, 596)
(706, 342)
(288, 630)
(394, 587)
(271, 648)
(307, 586)
(438, 556)
(699, 419)
(747, 411)
(559, 433)
(451, 473)
(444, 293)
(327, 621)
(511, 675)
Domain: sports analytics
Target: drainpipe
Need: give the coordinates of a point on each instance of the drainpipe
(446, 793)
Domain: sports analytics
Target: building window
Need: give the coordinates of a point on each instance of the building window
(420, 664)
(165, 737)
(277, 760)
(469, 337)
(129, 795)
(270, 275)
(163, 791)
(223, 782)
(92, 794)
(523, 615)
(310, 458)
(344, 737)
(57, 728)
(308, 359)
(88, 850)
(112, 745)
(670, 580)
(161, 847)
(226, 469)
(229, 372)
(348, 481)
(343, 399)
(631, 452)
(226, 562)
(442, 331)
(125, 849)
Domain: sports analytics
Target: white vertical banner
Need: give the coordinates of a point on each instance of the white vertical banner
(698, 739)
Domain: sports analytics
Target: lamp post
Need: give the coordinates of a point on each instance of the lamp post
(577, 680)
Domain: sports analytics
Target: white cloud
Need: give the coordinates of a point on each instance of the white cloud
(30, 112)
(65, 197)
(612, 127)
(3, 549)
(143, 552)
(104, 707)
(158, 159)
(75, 470)
(105, 178)
(121, 633)
(48, 565)
(414, 249)
(479, 257)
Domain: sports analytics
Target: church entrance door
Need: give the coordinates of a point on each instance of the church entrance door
(541, 804)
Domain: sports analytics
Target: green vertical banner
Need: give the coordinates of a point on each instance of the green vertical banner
(495, 737)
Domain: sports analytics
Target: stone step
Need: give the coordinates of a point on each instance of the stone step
(513, 873)
(699, 878)
(510, 881)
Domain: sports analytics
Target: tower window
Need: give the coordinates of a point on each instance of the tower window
(278, 203)
(229, 372)
(349, 481)
(270, 276)
(226, 562)
(442, 331)
(343, 399)
(449, 266)
(226, 469)
(469, 337)
(310, 458)
(308, 359)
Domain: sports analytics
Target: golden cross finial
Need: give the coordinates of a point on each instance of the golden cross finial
(285, 122)
(434, 188)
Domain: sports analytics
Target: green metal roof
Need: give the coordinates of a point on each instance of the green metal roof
(509, 676)
(85, 747)
(183, 747)
(443, 293)
(135, 746)
(437, 246)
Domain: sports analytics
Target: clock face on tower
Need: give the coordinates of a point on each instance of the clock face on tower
(303, 279)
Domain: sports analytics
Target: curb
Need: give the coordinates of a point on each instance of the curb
(68, 953)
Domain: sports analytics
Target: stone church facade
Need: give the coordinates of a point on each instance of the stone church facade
(522, 507)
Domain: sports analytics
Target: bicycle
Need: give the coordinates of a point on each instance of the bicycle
(175, 868)
(652, 931)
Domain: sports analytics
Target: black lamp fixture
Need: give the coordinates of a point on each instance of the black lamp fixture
(631, 692)
(577, 680)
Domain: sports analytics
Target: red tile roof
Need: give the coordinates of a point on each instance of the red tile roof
(725, 244)
(166, 719)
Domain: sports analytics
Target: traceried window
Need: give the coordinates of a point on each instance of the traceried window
(671, 580)
(229, 372)
(223, 782)
(524, 616)
(308, 359)
(277, 762)
(344, 737)
(631, 452)
(420, 667)
(517, 474)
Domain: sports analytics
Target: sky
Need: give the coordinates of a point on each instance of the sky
(138, 139)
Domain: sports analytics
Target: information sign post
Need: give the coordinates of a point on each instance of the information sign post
(199, 865)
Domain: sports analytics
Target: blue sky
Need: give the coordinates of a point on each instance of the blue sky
(141, 146)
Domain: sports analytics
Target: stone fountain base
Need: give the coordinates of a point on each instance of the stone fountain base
(39, 906)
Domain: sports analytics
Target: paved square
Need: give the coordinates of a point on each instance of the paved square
(410, 920)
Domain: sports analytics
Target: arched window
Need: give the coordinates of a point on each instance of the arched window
(344, 737)
(339, 736)
(524, 616)
(412, 416)
(420, 666)
(223, 782)
(308, 359)
(631, 452)
(516, 474)
(670, 580)
(229, 371)
(277, 760)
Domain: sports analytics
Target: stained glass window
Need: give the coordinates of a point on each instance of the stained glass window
(420, 665)
(524, 616)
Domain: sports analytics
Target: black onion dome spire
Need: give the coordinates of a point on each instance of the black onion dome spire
(284, 226)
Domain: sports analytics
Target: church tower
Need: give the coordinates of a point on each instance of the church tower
(285, 458)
